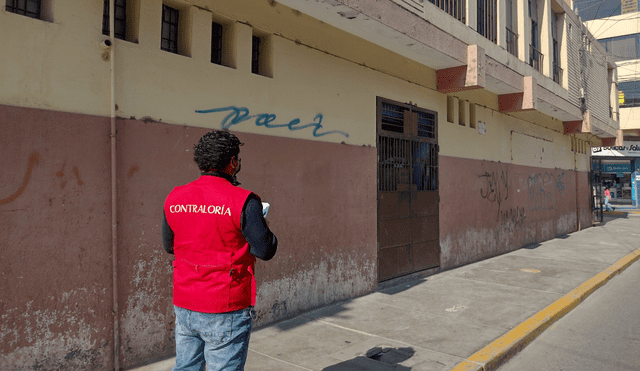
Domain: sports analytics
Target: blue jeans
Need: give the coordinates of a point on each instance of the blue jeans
(220, 339)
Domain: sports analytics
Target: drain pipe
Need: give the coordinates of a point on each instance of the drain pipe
(114, 203)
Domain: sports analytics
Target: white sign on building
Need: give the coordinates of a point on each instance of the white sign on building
(630, 149)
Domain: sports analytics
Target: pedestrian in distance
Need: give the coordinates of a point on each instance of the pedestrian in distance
(607, 197)
(216, 230)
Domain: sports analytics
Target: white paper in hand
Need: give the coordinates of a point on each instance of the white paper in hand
(265, 209)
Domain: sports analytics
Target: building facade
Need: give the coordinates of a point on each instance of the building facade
(391, 138)
(620, 36)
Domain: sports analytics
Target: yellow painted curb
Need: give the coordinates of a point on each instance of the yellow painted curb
(509, 344)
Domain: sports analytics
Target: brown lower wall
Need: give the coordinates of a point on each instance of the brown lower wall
(490, 208)
(55, 215)
(320, 259)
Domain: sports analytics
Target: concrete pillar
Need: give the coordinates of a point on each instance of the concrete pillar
(524, 30)
(200, 34)
(150, 24)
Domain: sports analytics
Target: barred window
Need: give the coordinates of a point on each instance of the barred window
(487, 19)
(255, 54)
(120, 19)
(426, 125)
(392, 118)
(29, 8)
(455, 8)
(169, 29)
(406, 120)
(216, 43)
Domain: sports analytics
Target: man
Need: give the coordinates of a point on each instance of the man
(215, 229)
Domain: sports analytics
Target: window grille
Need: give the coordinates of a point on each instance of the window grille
(512, 36)
(29, 8)
(487, 19)
(512, 42)
(406, 161)
(120, 19)
(169, 29)
(255, 54)
(392, 118)
(426, 125)
(535, 58)
(216, 43)
(455, 8)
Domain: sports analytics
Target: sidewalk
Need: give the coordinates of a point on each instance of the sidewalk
(463, 319)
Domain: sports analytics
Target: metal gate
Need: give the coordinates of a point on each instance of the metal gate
(595, 185)
(408, 229)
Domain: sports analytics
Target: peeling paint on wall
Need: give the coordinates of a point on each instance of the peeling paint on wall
(55, 339)
(148, 316)
(336, 278)
(502, 208)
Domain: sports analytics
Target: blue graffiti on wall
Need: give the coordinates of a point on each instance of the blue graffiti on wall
(238, 115)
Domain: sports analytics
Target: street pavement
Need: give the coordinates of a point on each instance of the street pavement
(603, 333)
(471, 318)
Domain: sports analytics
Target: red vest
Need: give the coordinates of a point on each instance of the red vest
(213, 270)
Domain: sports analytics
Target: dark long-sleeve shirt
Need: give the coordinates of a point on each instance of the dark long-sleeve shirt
(262, 242)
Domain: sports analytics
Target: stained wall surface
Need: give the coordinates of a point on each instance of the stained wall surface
(55, 216)
(493, 208)
(310, 136)
(320, 259)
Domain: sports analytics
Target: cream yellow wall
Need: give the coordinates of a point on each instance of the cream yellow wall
(317, 69)
(55, 65)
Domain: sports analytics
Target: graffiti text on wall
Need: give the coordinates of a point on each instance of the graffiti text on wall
(495, 187)
(541, 190)
(237, 115)
(33, 160)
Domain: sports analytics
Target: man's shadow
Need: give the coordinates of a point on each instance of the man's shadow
(376, 358)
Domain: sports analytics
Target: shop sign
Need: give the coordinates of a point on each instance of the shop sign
(614, 168)
(630, 149)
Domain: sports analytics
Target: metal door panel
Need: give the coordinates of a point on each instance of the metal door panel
(394, 261)
(425, 255)
(424, 203)
(393, 205)
(424, 229)
(394, 232)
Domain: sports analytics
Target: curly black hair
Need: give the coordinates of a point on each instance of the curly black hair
(215, 150)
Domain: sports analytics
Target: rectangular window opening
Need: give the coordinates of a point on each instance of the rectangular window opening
(472, 116)
(426, 124)
(29, 8)
(170, 27)
(487, 19)
(451, 106)
(393, 118)
(261, 55)
(462, 112)
(120, 19)
(455, 8)
(217, 43)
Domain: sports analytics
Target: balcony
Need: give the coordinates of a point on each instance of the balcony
(455, 8)
(535, 58)
(557, 73)
(512, 42)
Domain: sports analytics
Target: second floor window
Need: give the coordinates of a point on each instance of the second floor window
(255, 54)
(216, 43)
(120, 19)
(169, 29)
(487, 19)
(29, 8)
(455, 8)
(512, 35)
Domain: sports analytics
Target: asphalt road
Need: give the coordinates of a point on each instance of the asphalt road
(602, 333)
